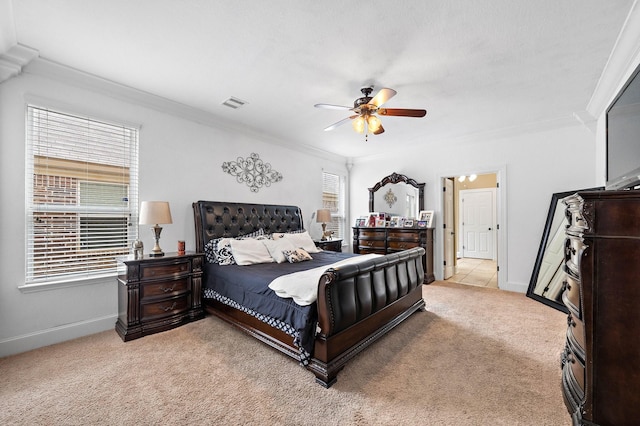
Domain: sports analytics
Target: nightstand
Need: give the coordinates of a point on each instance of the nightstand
(158, 293)
(331, 245)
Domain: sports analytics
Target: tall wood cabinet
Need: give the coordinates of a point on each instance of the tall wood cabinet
(391, 240)
(601, 360)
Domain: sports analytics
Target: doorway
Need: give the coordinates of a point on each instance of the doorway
(470, 229)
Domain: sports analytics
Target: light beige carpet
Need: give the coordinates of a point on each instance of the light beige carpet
(478, 356)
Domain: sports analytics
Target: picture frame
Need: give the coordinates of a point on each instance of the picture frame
(422, 224)
(395, 221)
(408, 223)
(426, 216)
(380, 223)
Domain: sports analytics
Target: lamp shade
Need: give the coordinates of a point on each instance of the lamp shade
(323, 216)
(155, 212)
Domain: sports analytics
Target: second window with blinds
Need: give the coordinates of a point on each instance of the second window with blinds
(333, 198)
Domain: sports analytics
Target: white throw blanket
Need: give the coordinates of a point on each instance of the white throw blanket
(302, 286)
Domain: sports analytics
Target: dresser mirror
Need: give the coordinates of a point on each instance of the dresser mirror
(547, 277)
(397, 195)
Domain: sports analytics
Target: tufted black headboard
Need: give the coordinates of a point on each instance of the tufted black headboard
(216, 219)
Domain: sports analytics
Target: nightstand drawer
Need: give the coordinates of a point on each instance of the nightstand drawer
(165, 288)
(165, 307)
(160, 271)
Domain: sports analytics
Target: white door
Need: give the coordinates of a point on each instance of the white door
(477, 213)
(449, 228)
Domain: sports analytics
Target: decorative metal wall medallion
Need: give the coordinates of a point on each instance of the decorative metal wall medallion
(252, 171)
(390, 198)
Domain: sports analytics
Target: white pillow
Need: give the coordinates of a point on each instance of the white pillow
(250, 251)
(277, 247)
(302, 240)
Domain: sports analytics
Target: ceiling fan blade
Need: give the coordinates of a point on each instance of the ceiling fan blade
(380, 130)
(329, 106)
(402, 112)
(382, 96)
(339, 123)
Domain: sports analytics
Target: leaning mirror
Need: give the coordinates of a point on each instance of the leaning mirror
(397, 195)
(547, 277)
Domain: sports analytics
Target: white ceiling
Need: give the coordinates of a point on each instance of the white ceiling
(477, 66)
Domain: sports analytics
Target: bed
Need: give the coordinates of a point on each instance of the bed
(357, 301)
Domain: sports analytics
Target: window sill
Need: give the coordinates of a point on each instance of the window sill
(35, 286)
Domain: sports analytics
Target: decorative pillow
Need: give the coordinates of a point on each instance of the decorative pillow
(302, 240)
(276, 248)
(249, 251)
(219, 250)
(297, 255)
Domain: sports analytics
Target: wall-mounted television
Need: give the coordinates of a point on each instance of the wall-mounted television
(623, 136)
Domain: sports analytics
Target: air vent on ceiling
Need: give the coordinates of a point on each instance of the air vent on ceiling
(234, 103)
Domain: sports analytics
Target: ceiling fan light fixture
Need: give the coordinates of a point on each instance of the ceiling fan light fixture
(472, 177)
(462, 178)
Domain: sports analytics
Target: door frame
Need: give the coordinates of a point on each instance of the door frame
(501, 222)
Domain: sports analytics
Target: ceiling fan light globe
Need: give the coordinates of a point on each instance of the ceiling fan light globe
(374, 123)
(358, 124)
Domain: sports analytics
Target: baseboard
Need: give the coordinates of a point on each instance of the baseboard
(517, 288)
(38, 339)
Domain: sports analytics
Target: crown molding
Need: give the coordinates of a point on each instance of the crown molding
(622, 61)
(566, 121)
(74, 77)
(14, 60)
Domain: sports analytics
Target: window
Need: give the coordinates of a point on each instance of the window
(82, 195)
(333, 199)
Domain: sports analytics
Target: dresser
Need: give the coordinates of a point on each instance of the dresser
(392, 240)
(158, 293)
(601, 359)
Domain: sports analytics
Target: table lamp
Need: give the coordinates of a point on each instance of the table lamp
(323, 216)
(155, 213)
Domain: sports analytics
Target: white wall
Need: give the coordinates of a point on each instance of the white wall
(534, 165)
(180, 161)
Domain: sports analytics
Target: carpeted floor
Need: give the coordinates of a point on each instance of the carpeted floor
(477, 356)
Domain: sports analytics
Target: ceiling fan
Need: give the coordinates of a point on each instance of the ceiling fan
(366, 108)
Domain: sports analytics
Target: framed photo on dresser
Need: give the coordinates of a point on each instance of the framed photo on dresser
(426, 216)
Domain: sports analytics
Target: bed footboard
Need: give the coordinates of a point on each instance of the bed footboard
(359, 303)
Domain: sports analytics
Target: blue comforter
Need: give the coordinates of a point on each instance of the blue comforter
(248, 287)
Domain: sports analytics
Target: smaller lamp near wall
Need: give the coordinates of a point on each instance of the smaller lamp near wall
(323, 216)
(155, 213)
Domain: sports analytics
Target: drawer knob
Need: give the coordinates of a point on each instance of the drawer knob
(570, 321)
(169, 308)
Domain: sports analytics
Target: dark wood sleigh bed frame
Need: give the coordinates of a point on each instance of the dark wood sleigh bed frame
(357, 303)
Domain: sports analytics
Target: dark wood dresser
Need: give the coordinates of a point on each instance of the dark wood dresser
(158, 293)
(391, 240)
(601, 360)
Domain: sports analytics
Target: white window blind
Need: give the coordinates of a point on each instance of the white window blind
(333, 199)
(82, 195)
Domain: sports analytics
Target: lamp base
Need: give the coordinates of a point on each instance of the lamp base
(156, 251)
(324, 232)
